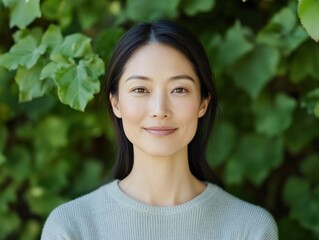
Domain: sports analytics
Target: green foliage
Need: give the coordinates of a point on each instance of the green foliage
(264, 147)
(303, 200)
(234, 46)
(138, 10)
(191, 8)
(283, 32)
(69, 65)
(77, 82)
(253, 159)
(22, 13)
(273, 119)
(308, 12)
(311, 101)
(254, 70)
(24, 53)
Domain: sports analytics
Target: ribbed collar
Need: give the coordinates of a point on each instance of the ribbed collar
(113, 190)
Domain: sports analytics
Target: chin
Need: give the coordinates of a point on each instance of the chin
(162, 151)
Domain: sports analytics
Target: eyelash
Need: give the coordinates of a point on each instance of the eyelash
(140, 90)
(180, 90)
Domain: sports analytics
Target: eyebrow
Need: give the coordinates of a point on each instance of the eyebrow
(177, 77)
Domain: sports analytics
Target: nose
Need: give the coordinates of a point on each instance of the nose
(159, 107)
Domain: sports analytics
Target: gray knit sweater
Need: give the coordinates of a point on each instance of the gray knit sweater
(108, 213)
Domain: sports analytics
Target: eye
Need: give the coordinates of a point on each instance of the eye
(140, 90)
(180, 90)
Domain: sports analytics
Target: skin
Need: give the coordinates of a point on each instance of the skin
(159, 103)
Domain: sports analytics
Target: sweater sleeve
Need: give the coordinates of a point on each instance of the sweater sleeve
(265, 227)
(271, 230)
(57, 228)
(249, 221)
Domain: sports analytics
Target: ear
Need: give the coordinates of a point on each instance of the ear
(203, 106)
(115, 105)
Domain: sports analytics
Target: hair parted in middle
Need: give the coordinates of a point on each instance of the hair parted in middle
(174, 35)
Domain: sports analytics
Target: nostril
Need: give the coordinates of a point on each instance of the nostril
(160, 115)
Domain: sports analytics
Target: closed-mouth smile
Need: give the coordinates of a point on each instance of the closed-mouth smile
(160, 130)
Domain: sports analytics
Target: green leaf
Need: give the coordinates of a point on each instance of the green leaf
(50, 135)
(298, 194)
(75, 70)
(253, 71)
(308, 13)
(76, 86)
(19, 163)
(90, 12)
(38, 107)
(30, 85)
(282, 32)
(309, 168)
(316, 110)
(3, 159)
(31, 230)
(222, 143)
(36, 33)
(302, 132)
(22, 13)
(10, 222)
(89, 178)
(42, 202)
(90, 127)
(48, 70)
(254, 158)
(24, 131)
(304, 63)
(149, 10)
(296, 191)
(192, 8)
(52, 37)
(58, 177)
(24, 53)
(8, 196)
(290, 229)
(3, 137)
(274, 118)
(52, 131)
(235, 45)
(60, 11)
(311, 102)
(106, 41)
(74, 46)
(235, 172)
(3, 142)
(94, 66)
(8, 101)
(4, 111)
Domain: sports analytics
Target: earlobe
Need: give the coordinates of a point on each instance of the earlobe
(115, 105)
(202, 111)
(203, 107)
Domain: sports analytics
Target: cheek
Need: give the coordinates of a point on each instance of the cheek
(188, 112)
(131, 111)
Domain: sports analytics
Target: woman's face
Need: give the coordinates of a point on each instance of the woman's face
(159, 100)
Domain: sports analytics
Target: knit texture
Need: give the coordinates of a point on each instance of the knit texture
(109, 213)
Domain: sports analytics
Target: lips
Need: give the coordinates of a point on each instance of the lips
(160, 131)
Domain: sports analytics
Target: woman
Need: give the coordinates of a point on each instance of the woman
(163, 104)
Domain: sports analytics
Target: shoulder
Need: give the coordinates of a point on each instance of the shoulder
(67, 221)
(252, 220)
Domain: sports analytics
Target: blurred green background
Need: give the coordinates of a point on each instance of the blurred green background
(265, 147)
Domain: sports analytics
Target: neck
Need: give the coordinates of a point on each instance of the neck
(161, 181)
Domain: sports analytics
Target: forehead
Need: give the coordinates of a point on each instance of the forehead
(160, 60)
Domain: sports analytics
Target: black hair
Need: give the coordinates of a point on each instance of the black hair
(174, 35)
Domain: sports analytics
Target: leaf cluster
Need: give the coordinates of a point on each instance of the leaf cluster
(265, 147)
